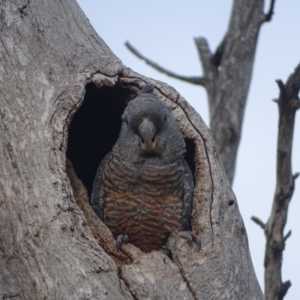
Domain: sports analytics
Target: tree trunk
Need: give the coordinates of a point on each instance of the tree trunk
(227, 75)
(62, 94)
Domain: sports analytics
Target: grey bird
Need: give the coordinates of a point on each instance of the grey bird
(143, 188)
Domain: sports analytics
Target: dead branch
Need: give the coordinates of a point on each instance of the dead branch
(191, 79)
(288, 103)
(227, 90)
(259, 222)
(270, 13)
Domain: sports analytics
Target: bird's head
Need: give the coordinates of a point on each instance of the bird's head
(149, 130)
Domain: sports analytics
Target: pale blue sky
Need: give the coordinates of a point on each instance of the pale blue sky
(164, 32)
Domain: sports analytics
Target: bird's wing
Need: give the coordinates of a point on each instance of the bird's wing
(188, 192)
(97, 197)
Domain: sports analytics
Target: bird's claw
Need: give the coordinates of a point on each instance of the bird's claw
(191, 237)
(121, 238)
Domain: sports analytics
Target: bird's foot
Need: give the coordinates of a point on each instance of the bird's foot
(121, 238)
(190, 237)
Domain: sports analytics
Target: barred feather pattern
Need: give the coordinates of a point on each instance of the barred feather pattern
(143, 201)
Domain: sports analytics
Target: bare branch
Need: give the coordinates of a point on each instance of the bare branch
(258, 222)
(296, 175)
(204, 53)
(287, 235)
(281, 85)
(284, 288)
(285, 183)
(270, 13)
(191, 79)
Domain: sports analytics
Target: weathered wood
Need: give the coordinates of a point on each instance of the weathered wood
(288, 103)
(47, 251)
(51, 244)
(227, 75)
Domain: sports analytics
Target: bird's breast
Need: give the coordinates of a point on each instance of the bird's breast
(143, 201)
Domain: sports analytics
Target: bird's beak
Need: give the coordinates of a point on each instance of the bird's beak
(147, 133)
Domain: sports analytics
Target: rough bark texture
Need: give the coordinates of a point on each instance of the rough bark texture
(288, 103)
(52, 246)
(227, 75)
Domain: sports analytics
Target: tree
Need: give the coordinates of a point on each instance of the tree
(288, 103)
(54, 65)
(227, 75)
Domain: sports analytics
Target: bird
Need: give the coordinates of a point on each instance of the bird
(143, 188)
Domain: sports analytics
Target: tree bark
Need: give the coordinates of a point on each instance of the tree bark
(54, 70)
(288, 103)
(228, 73)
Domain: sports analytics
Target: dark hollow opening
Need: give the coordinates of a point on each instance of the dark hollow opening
(95, 129)
(190, 155)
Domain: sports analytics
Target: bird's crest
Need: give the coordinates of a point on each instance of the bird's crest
(148, 88)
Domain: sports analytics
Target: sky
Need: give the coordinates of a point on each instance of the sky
(164, 31)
